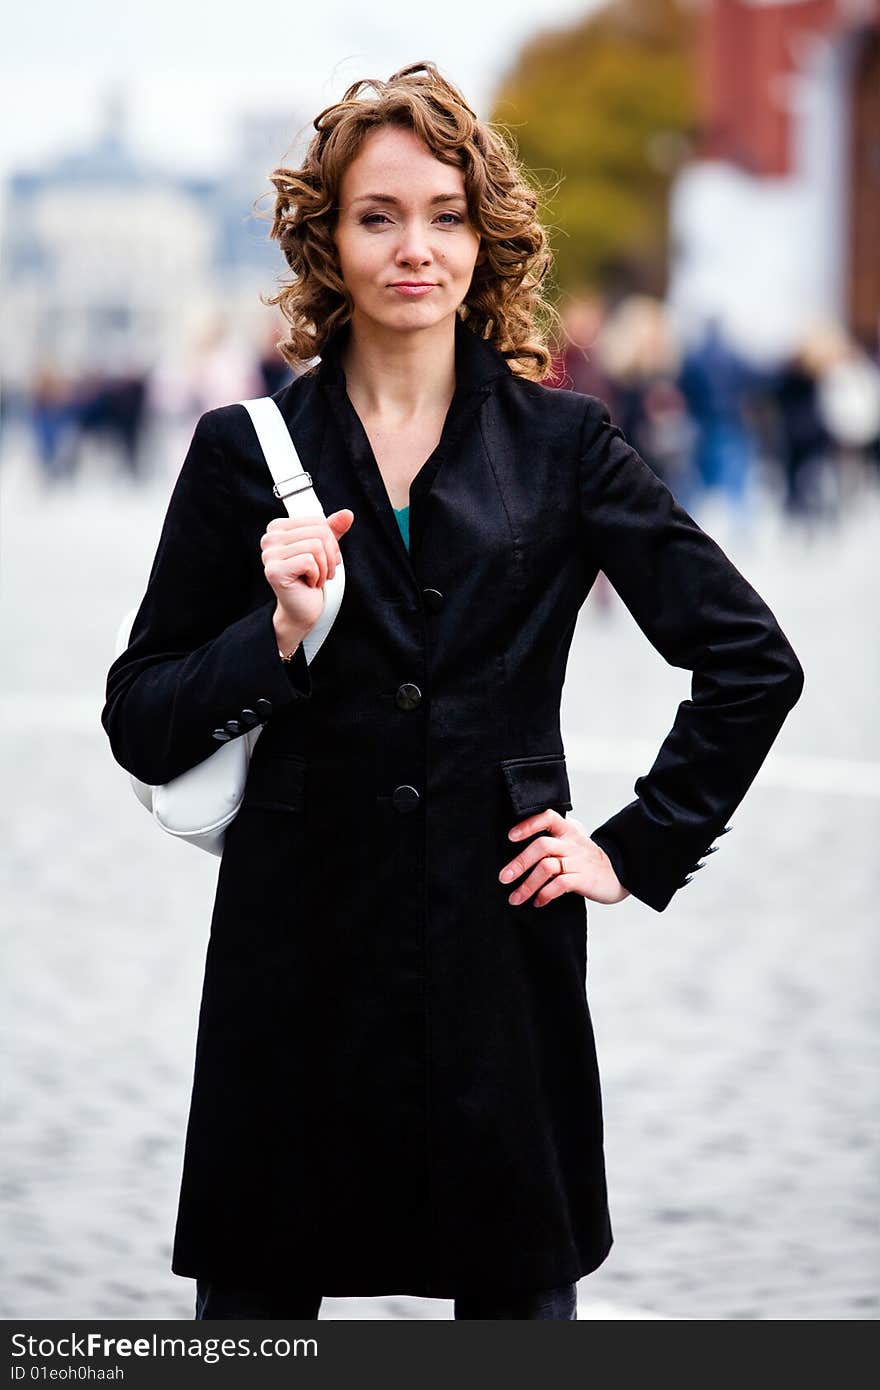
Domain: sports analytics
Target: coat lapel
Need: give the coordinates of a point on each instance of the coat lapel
(478, 364)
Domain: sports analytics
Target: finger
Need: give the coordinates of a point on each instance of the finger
(312, 532)
(300, 531)
(548, 868)
(285, 573)
(319, 551)
(304, 532)
(310, 569)
(332, 553)
(282, 573)
(293, 546)
(542, 820)
(312, 523)
(530, 854)
(314, 544)
(559, 884)
(331, 550)
(292, 527)
(341, 521)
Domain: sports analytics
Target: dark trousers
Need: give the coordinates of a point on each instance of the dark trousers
(274, 1301)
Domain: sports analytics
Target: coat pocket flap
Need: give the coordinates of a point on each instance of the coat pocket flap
(276, 782)
(538, 782)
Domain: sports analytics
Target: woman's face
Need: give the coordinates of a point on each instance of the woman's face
(403, 216)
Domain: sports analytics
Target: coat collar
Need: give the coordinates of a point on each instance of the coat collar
(478, 366)
(477, 361)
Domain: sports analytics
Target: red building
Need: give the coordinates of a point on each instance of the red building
(791, 153)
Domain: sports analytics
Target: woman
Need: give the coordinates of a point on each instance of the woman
(395, 1079)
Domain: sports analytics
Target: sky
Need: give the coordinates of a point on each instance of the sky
(186, 68)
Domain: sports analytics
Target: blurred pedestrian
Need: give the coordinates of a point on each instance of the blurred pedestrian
(218, 367)
(848, 391)
(716, 383)
(273, 369)
(638, 350)
(828, 397)
(53, 421)
(112, 406)
(575, 365)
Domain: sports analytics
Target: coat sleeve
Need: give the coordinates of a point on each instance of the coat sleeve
(198, 653)
(701, 614)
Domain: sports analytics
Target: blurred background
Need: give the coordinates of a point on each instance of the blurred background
(710, 173)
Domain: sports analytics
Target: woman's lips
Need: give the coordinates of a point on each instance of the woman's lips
(412, 291)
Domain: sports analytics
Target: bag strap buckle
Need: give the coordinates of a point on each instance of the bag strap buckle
(303, 479)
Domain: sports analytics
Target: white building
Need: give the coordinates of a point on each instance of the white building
(111, 262)
(776, 226)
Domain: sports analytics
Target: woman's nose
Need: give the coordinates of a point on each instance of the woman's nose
(414, 248)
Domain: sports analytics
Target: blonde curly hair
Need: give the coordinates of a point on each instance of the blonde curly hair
(505, 303)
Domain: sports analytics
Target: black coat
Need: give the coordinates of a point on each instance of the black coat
(395, 1082)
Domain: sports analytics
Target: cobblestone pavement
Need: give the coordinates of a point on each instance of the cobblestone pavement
(737, 1031)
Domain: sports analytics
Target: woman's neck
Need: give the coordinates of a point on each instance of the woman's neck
(399, 376)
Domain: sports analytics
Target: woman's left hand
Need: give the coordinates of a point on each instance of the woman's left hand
(587, 868)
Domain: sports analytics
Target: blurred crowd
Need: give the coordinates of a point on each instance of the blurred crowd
(121, 407)
(707, 420)
(703, 418)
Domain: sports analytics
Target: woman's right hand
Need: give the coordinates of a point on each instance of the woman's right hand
(299, 555)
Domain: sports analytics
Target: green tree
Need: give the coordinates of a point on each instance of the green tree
(603, 112)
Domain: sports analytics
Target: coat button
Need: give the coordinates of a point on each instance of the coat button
(405, 798)
(408, 696)
(263, 708)
(249, 718)
(221, 736)
(233, 727)
(433, 599)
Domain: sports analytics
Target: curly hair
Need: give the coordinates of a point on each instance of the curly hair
(505, 302)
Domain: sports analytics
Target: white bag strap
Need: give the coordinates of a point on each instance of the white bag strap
(293, 485)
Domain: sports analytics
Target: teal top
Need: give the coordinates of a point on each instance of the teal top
(402, 514)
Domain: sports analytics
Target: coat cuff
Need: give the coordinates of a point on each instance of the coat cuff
(645, 855)
(262, 675)
(165, 716)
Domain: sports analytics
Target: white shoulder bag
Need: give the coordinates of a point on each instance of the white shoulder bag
(199, 804)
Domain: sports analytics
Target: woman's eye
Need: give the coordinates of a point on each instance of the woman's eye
(371, 217)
